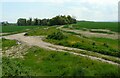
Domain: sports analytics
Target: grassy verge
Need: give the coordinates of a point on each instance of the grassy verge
(96, 54)
(6, 43)
(42, 31)
(87, 44)
(112, 42)
(90, 53)
(43, 62)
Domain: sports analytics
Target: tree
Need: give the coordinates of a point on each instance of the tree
(39, 21)
(70, 19)
(35, 22)
(45, 22)
(21, 22)
(4, 23)
(58, 20)
(29, 22)
(66, 19)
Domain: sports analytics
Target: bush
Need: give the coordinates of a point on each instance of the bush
(76, 45)
(56, 35)
(93, 43)
(106, 45)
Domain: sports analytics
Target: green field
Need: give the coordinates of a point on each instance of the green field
(41, 62)
(113, 26)
(114, 43)
(11, 29)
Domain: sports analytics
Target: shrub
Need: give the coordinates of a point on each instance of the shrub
(106, 45)
(76, 45)
(93, 43)
(82, 41)
(56, 35)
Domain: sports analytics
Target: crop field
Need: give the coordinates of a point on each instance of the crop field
(113, 26)
(11, 29)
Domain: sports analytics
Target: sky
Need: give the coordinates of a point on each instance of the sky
(91, 10)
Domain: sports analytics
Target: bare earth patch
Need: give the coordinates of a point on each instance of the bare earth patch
(16, 51)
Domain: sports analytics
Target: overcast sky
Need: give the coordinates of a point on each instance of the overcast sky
(93, 10)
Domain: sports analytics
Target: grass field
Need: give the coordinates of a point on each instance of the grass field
(6, 43)
(42, 31)
(11, 29)
(41, 62)
(114, 43)
(113, 26)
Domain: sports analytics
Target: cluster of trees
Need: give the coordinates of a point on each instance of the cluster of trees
(58, 20)
(5, 23)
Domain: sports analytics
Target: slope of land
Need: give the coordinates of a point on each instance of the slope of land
(37, 41)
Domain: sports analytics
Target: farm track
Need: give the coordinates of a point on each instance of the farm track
(90, 34)
(37, 41)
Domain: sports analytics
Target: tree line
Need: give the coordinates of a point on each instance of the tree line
(58, 20)
(5, 23)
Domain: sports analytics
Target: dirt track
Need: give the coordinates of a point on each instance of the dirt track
(90, 34)
(37, 41)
